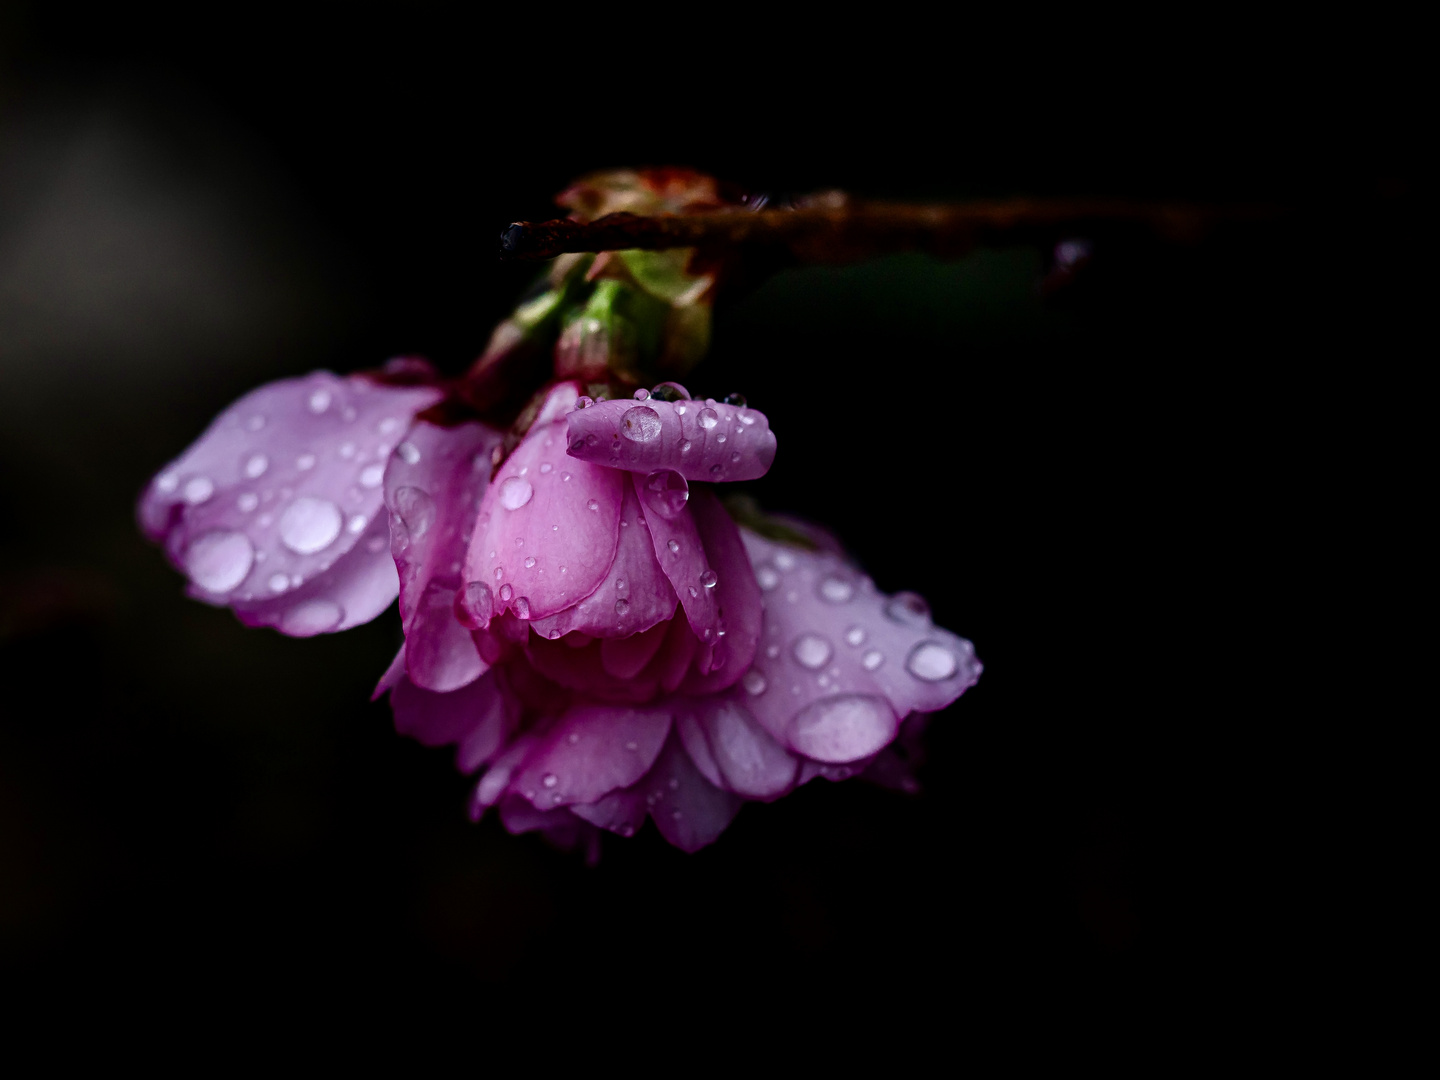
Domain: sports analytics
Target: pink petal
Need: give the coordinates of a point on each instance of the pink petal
(495, 781)
(836, 673)
(642, 436)
(278, 491)
(584, 670)
(620, 812)
(549, 528)
(559, 401)
(560, 827)
(433, 488)
(672, 662)
(747, 760)
(627, 657)
(634, 595)
(737, 597)
(677, 545)
(393, 674)
(479, 716)
(689, 811)
(592, 751)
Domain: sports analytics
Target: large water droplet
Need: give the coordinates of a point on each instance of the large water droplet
(371, 475)
(593, 505)
(521, 607)
(669, 391)
(584, 402)
(836, 590)
(622, 606)
(476, 605)
(309, 525)
(416, 508)
(811, 651)
(666, 492)
(767, 577)
(312, 617)
(909, 609)
(515, 492)
(872, 660)
(198, 489)
(319, 401)
(708, 579)
(685, 447)
(708, 419)
(640, 424)
(506, 592)
(842, 728)
(530, 562)
(408, 452)
(255, 467)
(735, 399)
(219, 561)
(931, 662)
(641, 394)
(754, 682)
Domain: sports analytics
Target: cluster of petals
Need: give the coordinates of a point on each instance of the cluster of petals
(586, 623)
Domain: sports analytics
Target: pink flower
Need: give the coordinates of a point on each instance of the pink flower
(634, 652)
(277, 509)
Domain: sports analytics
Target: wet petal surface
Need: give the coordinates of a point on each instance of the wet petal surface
(699, 440)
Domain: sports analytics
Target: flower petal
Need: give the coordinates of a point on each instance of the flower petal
(591, 751)
(749, 762)
(737, 597)
(478, 716)
(681, 552)
(549, 528)
(620, 812)
(433, 488)
(842, 663)
(634, 595)
(689, 811)
(700, 440)
(583, 670)
(278, 491)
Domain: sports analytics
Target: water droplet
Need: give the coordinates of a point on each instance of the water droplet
(477, 605)
(811, 651)
(620, 585)
(409, 453)
(680, 410)
(592, 440)
(499, 570)
(666, 492)
(931, 662)
(554, 528)
(255, 423)
(640, 424)
(836, 590)
(708, 419)
(735, 457)
(309, 525)
(563, 569)
(872, 659)
(519, 541)
(256, 466)
(549, 780)
(584, 402)
(720, 439)
(371, 475)
(676, 814)
(745, 418)
(387, 426)
(515, 492)
(842, 726)
(754, 682)
(641, 394)
(247, 502)
(319, 401)
(909, 609)
(357, 525)
(632, 746)
(312, 617)
(674, 546)
(685, 447)
(694, 592)
(305, 461)
(736, 399)
(573, 738)
(593, 505)
(564, 477)
(545, 468)
(197, 490)
(506, 592)
(622, 606)
(855, 636)
(627, 830)
(669, 391)
(767, 577)
(347, 450)
(219, 561)
(279, 583)
(784, 560)
(708, 579)
(772, 651)
(375, 544)
(416, 509)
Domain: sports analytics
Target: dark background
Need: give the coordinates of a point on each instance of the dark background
(1097, 488)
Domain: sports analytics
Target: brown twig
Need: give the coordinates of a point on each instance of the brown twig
(841, 230)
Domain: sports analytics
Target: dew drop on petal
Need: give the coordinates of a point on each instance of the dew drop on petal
(767, 577)
(312, 617)
(694, 592)
(784, 560)
(198, 489)
(685, 447)
(305, 461)
(641, 394)
(708, 579)
(477, 605)
(515, 492)
(584, 402)
(674, 546)
(872, 660)
(279, 583)
(416, 509)
(772, 651)
(309, 525)
(371, 475)
(931, 662)
(855, 636)
(836, 590)
(255, 423)
(909, 609)
(256, 465)
(708, 419)
(754, 682)
(506, 592)
(219, 561)
(593, 505)
(499, 570)
(622, 606)
(521, 607)
(545, 468)
(811, 651)
(247, 502)
(347, 450)
(666, 492)
(408, 453)
(357, 525)
(549, 780)
(319, 401)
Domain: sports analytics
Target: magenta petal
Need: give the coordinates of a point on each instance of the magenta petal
(583, 669)
(549, 528)
(700, 440)
(677, 545)
(749, 761)
(634, 595)
(278, 491)
(495, 780)
(626, 657)
(689, 811)
(842, 663)
(478, 716)
(393, 674)
(560, 826)
(737, 597)
(433, 488)
(590, 752)
(620, 812)
(692, 738)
